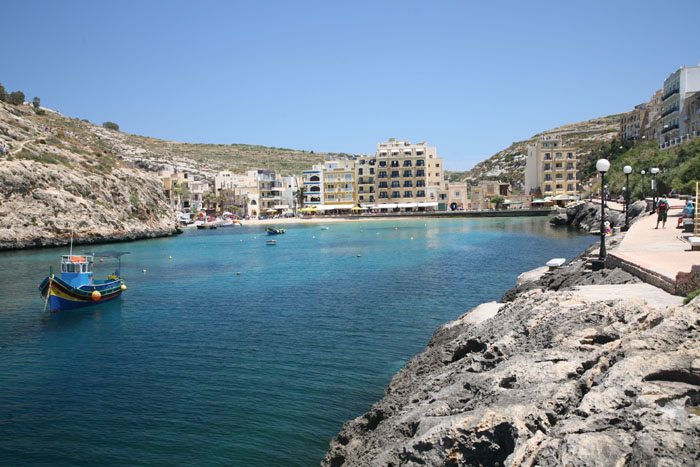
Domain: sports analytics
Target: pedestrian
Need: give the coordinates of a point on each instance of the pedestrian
(688, 213)
(661, 212)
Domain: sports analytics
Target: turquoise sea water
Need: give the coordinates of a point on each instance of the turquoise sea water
(198, 365)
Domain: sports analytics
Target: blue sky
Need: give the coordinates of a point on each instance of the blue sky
(467, 77)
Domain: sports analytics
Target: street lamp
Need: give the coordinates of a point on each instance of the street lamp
(654, 171)
(643, 195)
(602, 166)
(627, 170)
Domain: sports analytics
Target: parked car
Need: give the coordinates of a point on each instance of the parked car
(263, 217)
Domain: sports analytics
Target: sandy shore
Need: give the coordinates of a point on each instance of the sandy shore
(319, 220)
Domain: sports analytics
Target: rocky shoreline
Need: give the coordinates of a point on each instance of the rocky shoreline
(572, 369)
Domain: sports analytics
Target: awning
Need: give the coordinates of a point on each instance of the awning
(512, 202)
(428, 205)
(386, 206)
(408, 205)
(309, 209)
(330, 207)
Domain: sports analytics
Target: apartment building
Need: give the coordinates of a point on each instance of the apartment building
(651, 128)
(632, 123)
(692, 112)
(552, 169)
(331, 185)
(678, 87)
(408, 176)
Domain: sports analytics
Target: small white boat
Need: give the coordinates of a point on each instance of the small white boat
(324, 228)
(271, 242)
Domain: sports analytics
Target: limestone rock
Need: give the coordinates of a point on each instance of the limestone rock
(551, 379)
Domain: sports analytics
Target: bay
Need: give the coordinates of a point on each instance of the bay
(197, 364)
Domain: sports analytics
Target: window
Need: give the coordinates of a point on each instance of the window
(407, 183)
(570, 155)
(570, 177)
(420, 182)
(420, 163)
(362, 189)
(394, 173)
(548, 188)
(394, 163)
(396, 194)
(408, 194)
(382, 163)
(547, 156)
(330, 187)
(330, 196)
(559, 176)
(359, 171)
(362, 198)
(382, 194)
(407, 163)
(548, 166)
(330, 178)
(382, 174)
(420, 173)
(457, 193)
(547, 178)
(437, 165)
(559, 186)
(395, 184)
(558, 165)
(371, 198)
(437, 174)
(383, 185)
(348, 176)
(570, 166)
(408, 173)
(371, 170)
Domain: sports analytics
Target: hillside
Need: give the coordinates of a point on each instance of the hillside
(54, 179)
(509, 164)
(153, 153)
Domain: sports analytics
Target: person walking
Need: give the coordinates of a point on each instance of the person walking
(661, 212)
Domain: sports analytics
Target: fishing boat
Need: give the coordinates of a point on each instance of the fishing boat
(271, 231)
(76, 287)
(270, 242)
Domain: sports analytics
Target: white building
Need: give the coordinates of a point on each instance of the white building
(677, 86)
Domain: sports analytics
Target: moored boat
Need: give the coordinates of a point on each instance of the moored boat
(76, 287)
(271, 242)
(271, 231)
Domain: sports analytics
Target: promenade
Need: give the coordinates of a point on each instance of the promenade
(658, 256)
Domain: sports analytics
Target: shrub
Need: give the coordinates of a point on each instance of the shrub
(3, 93)
(111, 126)
(35, 102)
(691, 296)
(40, 111)
(16, 98)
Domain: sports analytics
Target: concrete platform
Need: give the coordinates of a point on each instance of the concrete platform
(657, 255)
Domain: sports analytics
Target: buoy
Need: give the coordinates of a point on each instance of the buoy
(241, 239)
(411, 238)
(96, 295)
(238, 273)
(144, 271)
(101, 260)
(358, 256)
(123, 287)
(171, 257)
(396, 228)
(313, 236)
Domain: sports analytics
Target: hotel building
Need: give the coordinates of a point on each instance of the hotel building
(552, 169)
(677, 88)
(408, 176)
(331, 185)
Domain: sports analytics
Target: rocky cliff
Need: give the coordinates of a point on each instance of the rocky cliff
(562, 374)
(53, 180)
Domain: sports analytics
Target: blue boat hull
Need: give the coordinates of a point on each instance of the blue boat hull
(63, 296)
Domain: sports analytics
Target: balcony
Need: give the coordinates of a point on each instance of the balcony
(669, 94)
(670, 128)
(670, 111)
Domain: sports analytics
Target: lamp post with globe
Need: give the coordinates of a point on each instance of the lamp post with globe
(643, 195)
(627, 170)
(603, 165)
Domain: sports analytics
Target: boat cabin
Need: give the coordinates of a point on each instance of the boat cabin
(77, 270)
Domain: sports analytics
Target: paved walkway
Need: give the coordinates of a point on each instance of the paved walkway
(662, 252)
